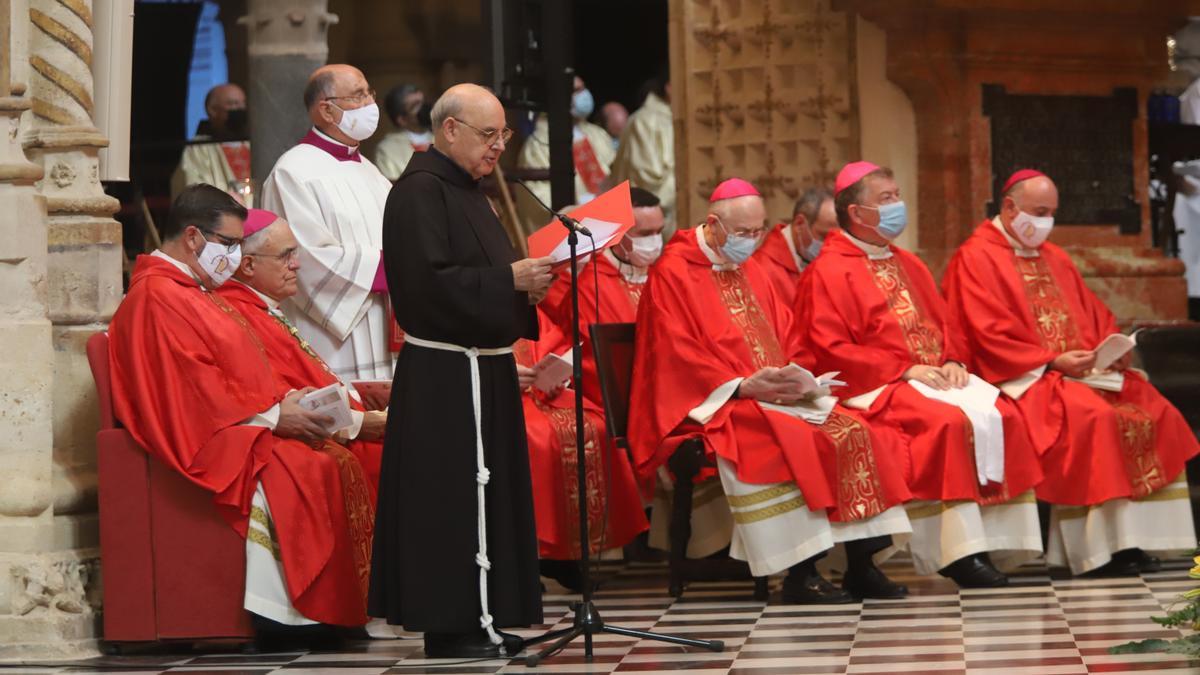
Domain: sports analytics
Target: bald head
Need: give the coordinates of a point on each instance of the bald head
(219, 101)
(470, 127)
(331, 92)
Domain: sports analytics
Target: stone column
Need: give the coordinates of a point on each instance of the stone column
(287, 41)
(44, 605)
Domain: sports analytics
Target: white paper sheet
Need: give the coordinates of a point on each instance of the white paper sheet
(602, 232)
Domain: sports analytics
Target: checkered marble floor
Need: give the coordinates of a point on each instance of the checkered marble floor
(1040, 625)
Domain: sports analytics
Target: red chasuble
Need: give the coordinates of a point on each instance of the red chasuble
(699, 328)
(777, 261)
(618, 300)
(187, 371)
(297, 365)
(874, 319)
(1019, 313)
(612, 493)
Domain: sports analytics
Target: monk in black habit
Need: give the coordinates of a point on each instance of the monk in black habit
(456, 284)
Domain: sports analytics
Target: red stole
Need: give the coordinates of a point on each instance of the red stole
(873, 319)
(237, 155)
(587, 166)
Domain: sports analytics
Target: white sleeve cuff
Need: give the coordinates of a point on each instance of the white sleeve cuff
(268, 418)
(356, 422)
(864, 401)
(720, 396)
(1016, 387)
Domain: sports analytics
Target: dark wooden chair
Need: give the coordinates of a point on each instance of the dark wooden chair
(613, 344)
(1169, 355)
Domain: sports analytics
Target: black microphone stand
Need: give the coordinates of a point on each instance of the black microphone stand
(587, 621)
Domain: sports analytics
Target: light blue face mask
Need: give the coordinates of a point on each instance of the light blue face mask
(737, 250)
(582, 104)
(893, 218)
(810, 254)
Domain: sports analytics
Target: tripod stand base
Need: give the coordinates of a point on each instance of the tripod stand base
(588, 623)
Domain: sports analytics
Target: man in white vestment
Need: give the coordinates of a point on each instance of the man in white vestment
(220, 152)
(334, 198)
(646, 153)
(591, 148)
(402, 104)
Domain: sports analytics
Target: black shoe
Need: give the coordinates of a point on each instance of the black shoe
(813, 589)
(565, 572)
(512, 643)
(974, 571)
(871, 582)
(1119, 566)
(1143, 561)
(475, 645)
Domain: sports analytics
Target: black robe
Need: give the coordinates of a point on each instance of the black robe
(448, 268)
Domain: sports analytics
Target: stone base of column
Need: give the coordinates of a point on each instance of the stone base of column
(51, 600)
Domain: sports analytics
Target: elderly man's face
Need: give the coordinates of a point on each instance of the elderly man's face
(477, 135)
(805, 232)
(271, 268)
(224, 98)
(350, 92)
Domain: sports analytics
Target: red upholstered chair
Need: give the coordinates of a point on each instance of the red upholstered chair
(173, 568)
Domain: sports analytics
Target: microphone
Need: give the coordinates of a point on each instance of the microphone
(567, 221)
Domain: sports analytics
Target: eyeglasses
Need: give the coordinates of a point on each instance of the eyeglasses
(368, 95)
(287, 256)
(229, 243)
(489, 136)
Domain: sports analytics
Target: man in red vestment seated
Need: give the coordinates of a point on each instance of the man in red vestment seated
(265, 278)
(790, 247)
(871, 310)
(193, 385)
(1112, 448)
(613, 280)
(799, 472)
(614, 507)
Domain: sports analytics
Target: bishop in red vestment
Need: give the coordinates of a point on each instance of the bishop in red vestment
(614, 507)
(872, 311)
(265, 278)
(1112, 448)
(790, 247)
(713, 338)
(195, 387)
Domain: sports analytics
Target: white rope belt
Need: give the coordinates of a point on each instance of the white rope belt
(483, 475)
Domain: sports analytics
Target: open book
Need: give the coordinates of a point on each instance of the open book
(332, 402)
(553, 370)
(812, 386)
(1113, 348)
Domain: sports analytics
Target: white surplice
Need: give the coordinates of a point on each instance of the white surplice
(335, 208)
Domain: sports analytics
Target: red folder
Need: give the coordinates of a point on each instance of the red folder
(614, 206)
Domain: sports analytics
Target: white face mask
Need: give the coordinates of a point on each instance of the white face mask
(218, 262)
(360, 123)
(645, 250)
(1032, 231)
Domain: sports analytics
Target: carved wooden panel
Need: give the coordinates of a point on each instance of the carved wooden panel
(761, 90)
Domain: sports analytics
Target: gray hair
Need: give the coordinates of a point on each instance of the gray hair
(319, 88)
(255, 242)
(810, 203)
